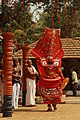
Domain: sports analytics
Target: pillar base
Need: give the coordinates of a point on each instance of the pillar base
(7, 106)
(23, 97)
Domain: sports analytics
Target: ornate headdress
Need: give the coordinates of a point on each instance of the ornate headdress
(49, 45)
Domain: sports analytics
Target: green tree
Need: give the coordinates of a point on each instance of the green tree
(29, 33)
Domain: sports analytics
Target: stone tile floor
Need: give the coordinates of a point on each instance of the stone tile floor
(64, 112)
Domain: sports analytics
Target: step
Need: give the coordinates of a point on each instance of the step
(70, 93)
(72, 100)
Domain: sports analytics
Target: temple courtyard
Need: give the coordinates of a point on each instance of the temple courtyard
(69, 109)
(64, 112)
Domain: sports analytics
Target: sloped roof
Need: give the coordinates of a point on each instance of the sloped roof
(71, 48)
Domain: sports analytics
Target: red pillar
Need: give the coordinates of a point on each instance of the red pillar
(25, 57)
(7, 89)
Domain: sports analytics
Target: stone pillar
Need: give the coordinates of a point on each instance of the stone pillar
(7, 89)
(25, 57)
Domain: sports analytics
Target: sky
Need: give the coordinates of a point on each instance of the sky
(36, 11)
(32, 9)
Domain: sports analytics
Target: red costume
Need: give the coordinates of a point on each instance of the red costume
(49, 53)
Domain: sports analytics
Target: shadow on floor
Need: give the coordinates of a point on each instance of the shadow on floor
(29, 110)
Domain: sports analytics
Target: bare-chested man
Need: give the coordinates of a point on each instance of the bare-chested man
(31, 74)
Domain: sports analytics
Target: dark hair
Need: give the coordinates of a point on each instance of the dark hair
(28, 61)
(73, 67)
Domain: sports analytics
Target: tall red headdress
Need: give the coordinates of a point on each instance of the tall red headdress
(49, 45)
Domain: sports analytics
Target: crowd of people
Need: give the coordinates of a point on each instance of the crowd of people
(31, 74)
(31, 77)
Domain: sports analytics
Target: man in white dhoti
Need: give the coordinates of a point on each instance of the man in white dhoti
(16, 85)
(31, 73)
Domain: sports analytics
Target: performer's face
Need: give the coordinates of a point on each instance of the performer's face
(50, 59)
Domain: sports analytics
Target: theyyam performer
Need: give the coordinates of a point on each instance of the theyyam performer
(48, 53)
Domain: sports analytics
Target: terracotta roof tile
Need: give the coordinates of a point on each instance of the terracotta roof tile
(70, 46)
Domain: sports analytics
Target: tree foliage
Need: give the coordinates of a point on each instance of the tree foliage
(31, 30)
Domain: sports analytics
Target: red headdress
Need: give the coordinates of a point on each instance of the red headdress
(49, 45)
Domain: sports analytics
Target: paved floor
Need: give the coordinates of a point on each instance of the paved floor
(68, 111)
(64, 112)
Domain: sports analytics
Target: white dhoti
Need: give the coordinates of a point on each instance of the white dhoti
(15, 95)
(31, 90)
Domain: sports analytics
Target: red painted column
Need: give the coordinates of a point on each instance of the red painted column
(7, 89)
(25, 57)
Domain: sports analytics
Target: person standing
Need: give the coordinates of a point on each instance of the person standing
(31, 73)
(74, 81)
(16, 85)
(52, 71)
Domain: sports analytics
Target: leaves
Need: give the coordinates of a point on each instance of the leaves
(30, 30)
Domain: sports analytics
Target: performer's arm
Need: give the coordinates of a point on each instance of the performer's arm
(60, 73)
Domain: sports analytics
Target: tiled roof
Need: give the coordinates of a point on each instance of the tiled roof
(71, 48)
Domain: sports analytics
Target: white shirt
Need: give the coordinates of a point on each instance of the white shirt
(74, 77)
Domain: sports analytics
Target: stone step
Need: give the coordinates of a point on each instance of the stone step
(72, 100)
(70, 93)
